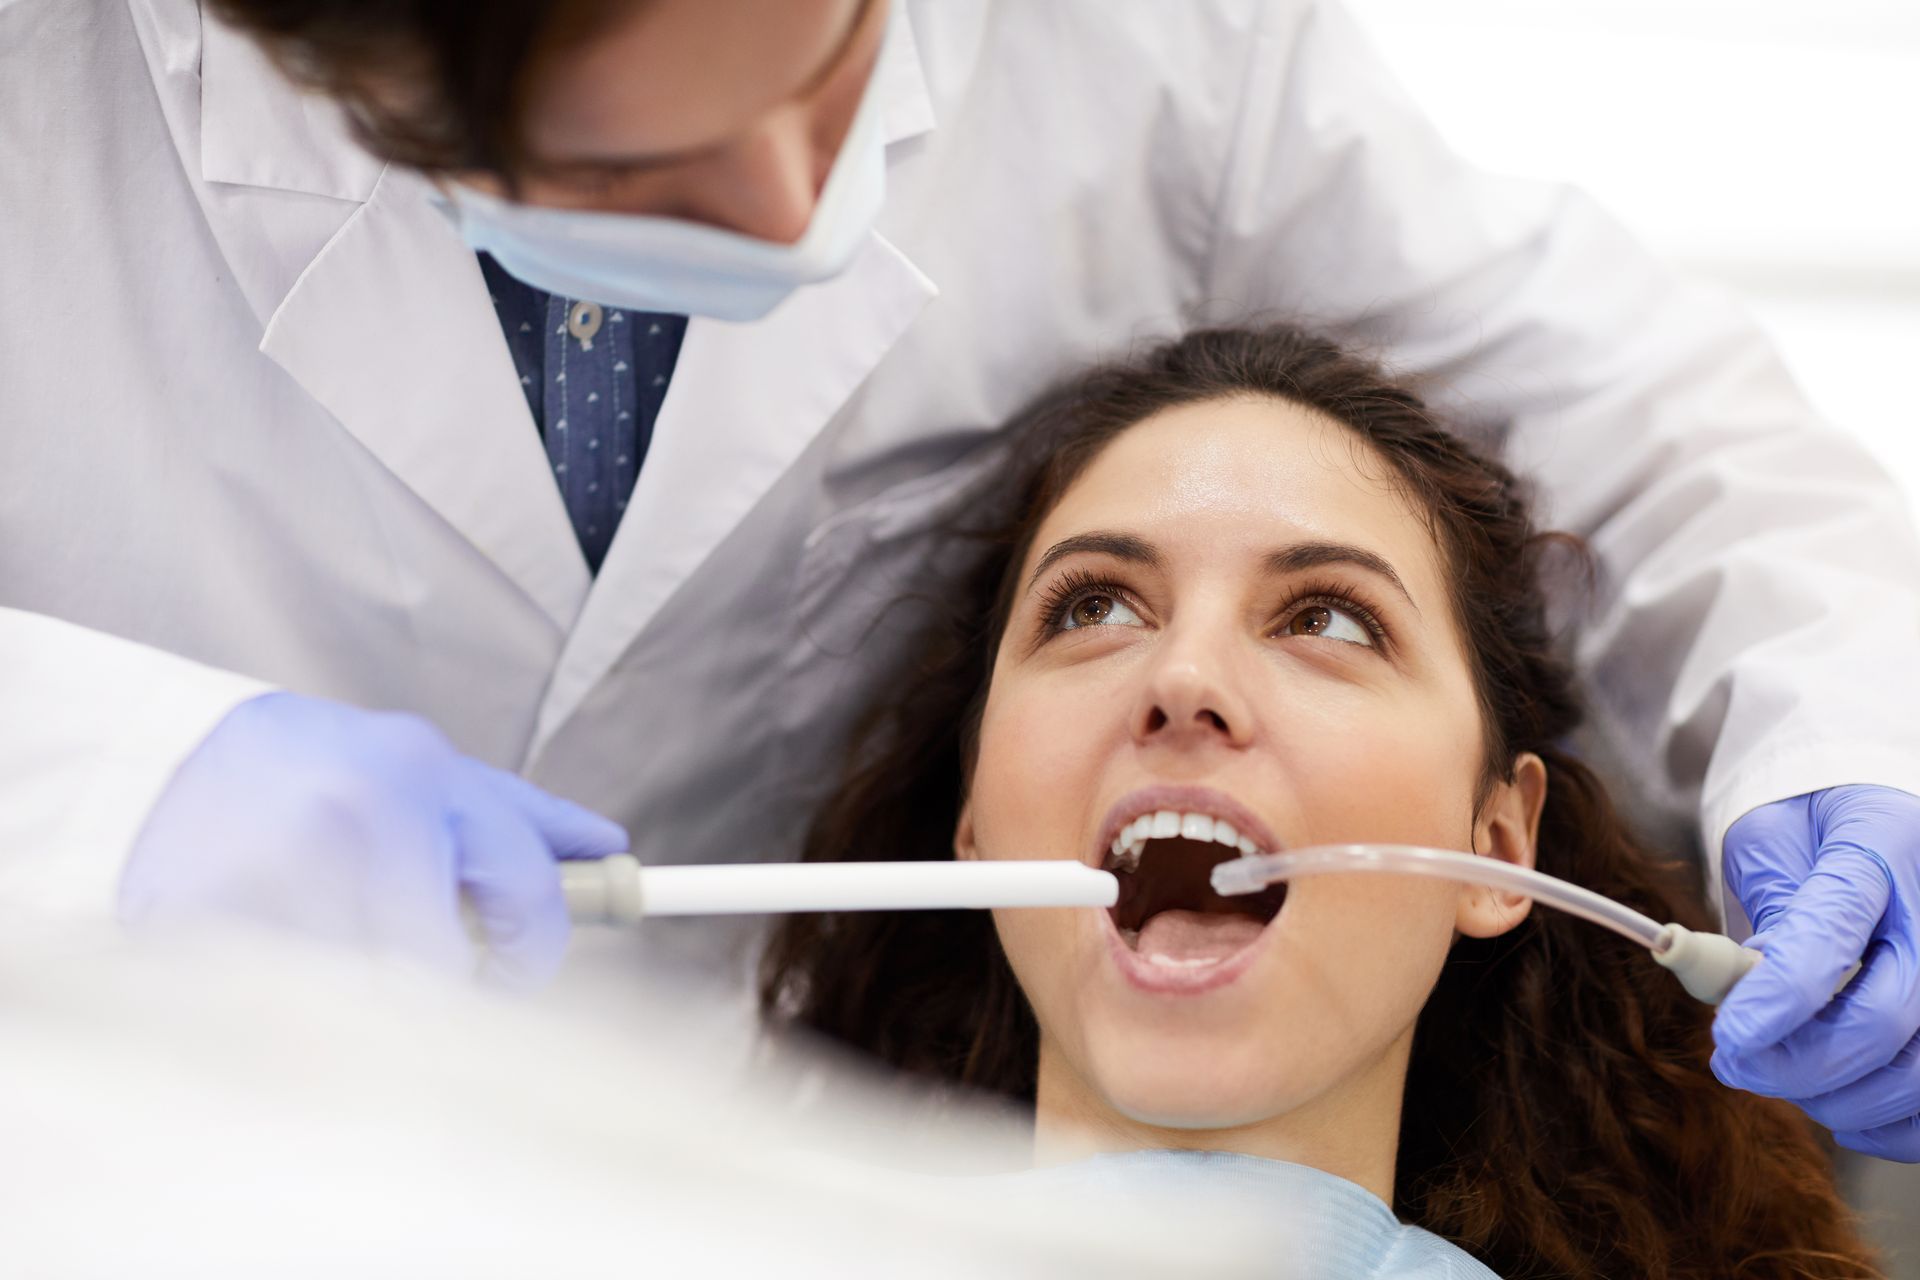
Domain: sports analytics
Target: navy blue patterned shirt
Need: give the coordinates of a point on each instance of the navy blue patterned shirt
(594, 379)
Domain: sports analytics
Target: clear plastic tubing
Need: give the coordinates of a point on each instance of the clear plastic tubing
(1254, 873)
(1707, 964)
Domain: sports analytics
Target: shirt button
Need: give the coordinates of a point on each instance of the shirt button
(583, 321)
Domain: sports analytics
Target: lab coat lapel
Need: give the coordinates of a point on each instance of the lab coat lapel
(382, 316)
(390, 328)
(745, 400)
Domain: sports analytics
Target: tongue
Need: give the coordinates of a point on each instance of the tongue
(1195, 937)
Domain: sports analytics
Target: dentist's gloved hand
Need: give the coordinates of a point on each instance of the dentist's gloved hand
(1828, 879)
(365, 828)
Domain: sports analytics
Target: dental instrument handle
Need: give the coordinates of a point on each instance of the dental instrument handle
(618, 890)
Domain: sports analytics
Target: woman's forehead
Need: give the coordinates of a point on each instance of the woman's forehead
(1247, 474)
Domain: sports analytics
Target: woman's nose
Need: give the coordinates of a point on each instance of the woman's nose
(1189, 697)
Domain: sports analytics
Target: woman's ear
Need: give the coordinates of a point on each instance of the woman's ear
(963, 848)
(1508, 828)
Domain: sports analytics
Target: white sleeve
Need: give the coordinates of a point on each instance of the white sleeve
(95, 727)
(1757, 622)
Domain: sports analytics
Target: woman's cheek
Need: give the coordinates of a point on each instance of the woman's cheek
(1035, 775)
(1346, 778)
(1039, 945)
(1364, 768)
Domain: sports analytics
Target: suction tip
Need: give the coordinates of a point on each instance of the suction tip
(1237, 876)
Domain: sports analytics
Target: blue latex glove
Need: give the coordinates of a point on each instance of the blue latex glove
(1828, 879)
(365, 828)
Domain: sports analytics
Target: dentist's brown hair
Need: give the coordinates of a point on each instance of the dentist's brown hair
(465, 67)
(1560, 1118)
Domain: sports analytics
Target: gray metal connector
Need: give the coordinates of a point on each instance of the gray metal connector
(1707, 964)
(602, 890)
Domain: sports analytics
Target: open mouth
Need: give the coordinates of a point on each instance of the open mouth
(1168, 912)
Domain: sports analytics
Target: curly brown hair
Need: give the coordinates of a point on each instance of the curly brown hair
(1560, 1118)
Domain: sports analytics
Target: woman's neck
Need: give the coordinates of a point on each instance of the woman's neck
(1352, 1131)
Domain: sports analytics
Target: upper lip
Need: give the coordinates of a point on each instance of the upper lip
(1182, 799)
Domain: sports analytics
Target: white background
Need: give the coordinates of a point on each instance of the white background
(1772, 145)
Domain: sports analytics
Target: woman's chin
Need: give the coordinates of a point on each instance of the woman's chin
(1177, 1088)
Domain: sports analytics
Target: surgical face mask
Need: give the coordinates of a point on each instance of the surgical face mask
(685, 268)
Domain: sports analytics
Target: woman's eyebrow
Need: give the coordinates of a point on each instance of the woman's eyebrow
(1297, 558)
(1302, 556)
(1121, 546)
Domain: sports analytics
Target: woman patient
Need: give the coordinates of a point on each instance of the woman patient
(1246, 594)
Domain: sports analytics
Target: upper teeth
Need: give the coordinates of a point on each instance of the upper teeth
(1167, 823)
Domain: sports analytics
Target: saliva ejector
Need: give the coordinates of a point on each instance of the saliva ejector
(1707, 964)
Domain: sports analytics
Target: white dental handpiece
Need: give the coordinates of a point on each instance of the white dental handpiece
(618, 890)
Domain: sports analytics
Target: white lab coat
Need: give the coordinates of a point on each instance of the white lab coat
(258, 425)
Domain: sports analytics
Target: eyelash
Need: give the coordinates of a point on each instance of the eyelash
(1076, 584)
(1067, 592)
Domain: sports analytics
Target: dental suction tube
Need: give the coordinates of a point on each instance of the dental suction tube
(1707, 964)
(1254, 873)
(618, 890)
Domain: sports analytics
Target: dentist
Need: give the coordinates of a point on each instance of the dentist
(414, 413)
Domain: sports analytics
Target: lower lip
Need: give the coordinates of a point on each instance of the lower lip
(1164, 980)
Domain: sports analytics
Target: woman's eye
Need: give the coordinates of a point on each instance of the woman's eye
(1096, 609)
(1330, 622)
